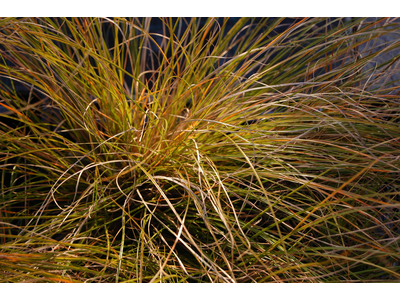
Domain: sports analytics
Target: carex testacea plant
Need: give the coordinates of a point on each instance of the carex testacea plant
(199, 150)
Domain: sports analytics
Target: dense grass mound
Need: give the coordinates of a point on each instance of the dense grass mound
(255, 152)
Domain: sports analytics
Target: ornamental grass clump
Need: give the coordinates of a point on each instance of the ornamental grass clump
(208, 151)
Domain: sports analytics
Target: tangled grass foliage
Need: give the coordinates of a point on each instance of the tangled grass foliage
(204, 152)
